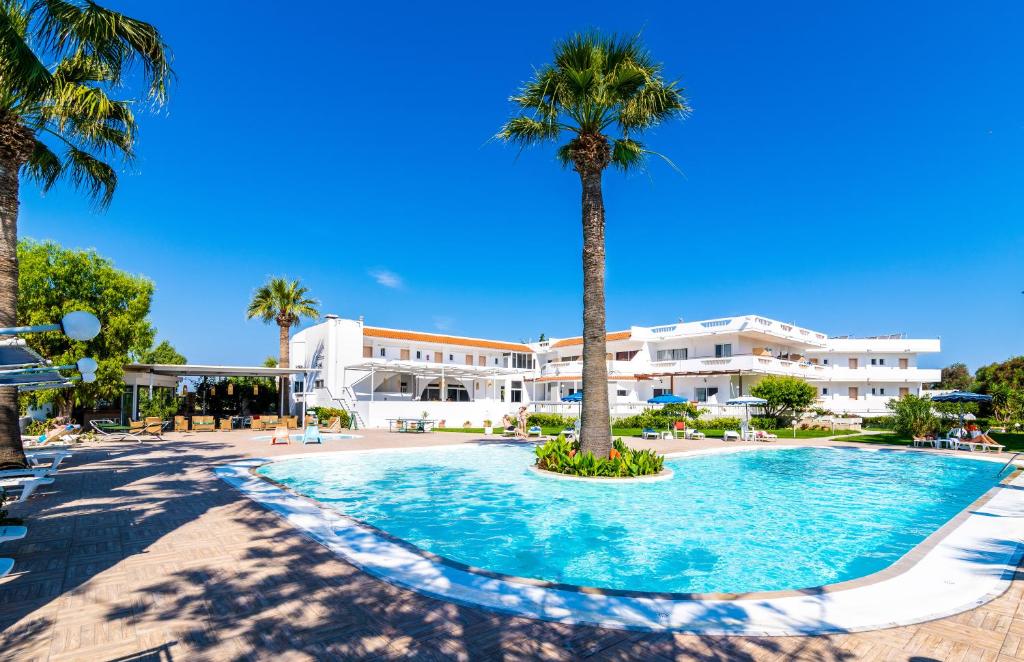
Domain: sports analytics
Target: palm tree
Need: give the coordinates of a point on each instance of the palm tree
(283, 302)
(60, 62)
(596, 84)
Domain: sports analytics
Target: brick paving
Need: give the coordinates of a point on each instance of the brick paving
(140, 553)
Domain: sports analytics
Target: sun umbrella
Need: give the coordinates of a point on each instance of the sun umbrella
(961, 397)
(574, 397)
(747, 401)
(667, 399)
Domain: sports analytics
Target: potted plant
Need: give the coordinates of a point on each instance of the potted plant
(488, 430)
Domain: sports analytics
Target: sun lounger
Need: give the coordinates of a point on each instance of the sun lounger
(312, 435)
(650, 433)
(48, 460)
(333, 424)
(152, 426)
(9, 533)
(111, 431)
(761, 435)
(280, 436)
(730, 435)
(22, 488)
(60, 433)
(534, 431)
(5, 567)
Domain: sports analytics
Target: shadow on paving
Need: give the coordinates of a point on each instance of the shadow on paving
(193, 570)
(108, 503)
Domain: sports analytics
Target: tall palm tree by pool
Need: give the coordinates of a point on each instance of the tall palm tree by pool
(285, 303)
(60, 62)
(597, 83)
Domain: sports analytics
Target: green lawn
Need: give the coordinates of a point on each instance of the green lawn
(1014, 441)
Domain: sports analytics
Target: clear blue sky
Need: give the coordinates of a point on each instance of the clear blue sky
(855, 169)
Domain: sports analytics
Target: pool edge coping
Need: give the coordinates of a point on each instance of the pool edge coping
(902, 566)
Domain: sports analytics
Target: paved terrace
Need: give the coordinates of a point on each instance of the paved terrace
(140, 553)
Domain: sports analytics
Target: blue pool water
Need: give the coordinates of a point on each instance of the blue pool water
(746, 521)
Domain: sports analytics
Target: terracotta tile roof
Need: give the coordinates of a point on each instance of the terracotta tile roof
(396, 334)
(569, 342)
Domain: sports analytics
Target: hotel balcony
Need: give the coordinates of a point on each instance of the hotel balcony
(815, 372)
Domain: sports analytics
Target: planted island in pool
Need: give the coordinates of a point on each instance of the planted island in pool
(561, 456)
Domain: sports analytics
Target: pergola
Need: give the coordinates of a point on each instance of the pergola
(430, 371)
(165, 374)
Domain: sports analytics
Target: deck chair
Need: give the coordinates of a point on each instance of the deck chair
(730, 435)
(534, 431)
(111, 431)
(280, 436)
(312, 435)
(761, 435)
(21, 488)
(333, 424)
(180, 424)
(58, 434)
(152, 426)
(650, 433)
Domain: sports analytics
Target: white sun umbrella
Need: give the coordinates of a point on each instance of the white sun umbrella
(747, 401)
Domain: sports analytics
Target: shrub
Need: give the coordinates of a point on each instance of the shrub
(721, 423)
(764, 422)
(36, 428)
(660, 419)
(324, 414)
(162, 405)
(913, 416)
(550, 421)
(561, 456)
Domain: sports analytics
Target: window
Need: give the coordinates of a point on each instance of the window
(881, 391)
(297, 387)
(703, 394)
(419, 354)
(520, 361)
(319, 383)
(404, 388)
(495, 360)
(661, 391)
(383, 352)
(878, 391)
(824, 391)
(517, 391)
(824, 361)
(877, 361)
(680, 354)
(621, 392)
(723, 351)
(625, 356)
(451, 357)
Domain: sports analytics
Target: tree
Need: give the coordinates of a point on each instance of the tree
(163, 354)
(60, 63)
(285, 303)
(785, 395)
(596, 84)
(914, 416)
(54, 280)
(1009, 373)
(956, 377)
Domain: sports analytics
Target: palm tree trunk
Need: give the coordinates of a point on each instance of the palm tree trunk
(13, 152)
(595, 435)
(283, 363)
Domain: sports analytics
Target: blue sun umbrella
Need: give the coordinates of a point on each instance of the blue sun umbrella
(747, 401)
(667, 399)
(574, 397)
(961, 397)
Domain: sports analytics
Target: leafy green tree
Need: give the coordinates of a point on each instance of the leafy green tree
(163, 354)
(913, 415)
(66, 68)
(163, 404)
(1007, 403)
(956, 377)
(596, 85)
(1009, 373)
(284, 303)
(786, 396)
(54, 280)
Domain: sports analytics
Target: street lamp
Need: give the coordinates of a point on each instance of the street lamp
(77, 325)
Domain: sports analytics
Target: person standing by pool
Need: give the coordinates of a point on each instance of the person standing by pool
(521, 428)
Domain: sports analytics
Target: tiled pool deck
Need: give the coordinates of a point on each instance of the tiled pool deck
(140, 552)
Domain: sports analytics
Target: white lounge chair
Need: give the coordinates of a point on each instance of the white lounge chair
(282, 435)
(650, 433)
(60, 435)
(48, 460)
(111, 431)
(691, 433)
(312, 435)
(731, 435)
(761, 435)
(27, 485)
(535, 431)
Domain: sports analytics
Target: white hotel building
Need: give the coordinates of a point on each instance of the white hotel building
(380, 373)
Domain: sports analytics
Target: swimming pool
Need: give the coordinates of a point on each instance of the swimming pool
(758, 520)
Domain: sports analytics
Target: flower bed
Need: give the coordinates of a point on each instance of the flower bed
(564, 457)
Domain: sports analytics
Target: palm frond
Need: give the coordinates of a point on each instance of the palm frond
(628, 154)
(21, 71)
(88, 173)
(524, 131)
(43, 166)
(119, 41)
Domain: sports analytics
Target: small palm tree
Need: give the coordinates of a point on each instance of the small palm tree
(284, 303)
(596, 84)
(60, 63)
